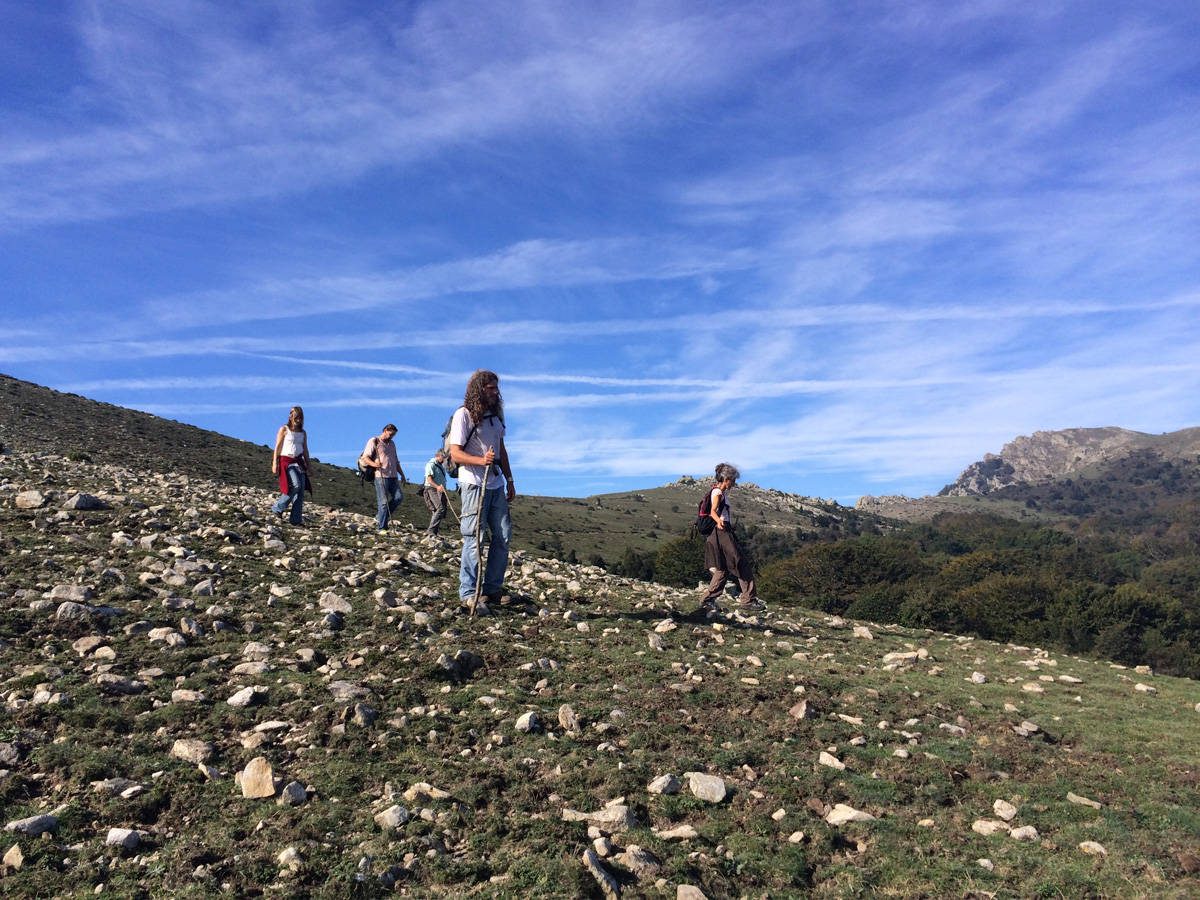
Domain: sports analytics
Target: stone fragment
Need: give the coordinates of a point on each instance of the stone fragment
(986, 863)
(30, 500)
(248, 696)
(862, 631)
(424, 792)
(258, 780)
(642, 863)
(1082, 801)
(187, 696)
(689, 892)
(290, 858)
(842, 814)
(293, 794)
(664, 784)
(1004, 810)
(709, 788)
(192, 750)
(14, 858)
(34, 825)
(828, 759)
(1024, 833)
(802, 710)
(1093, 849)
(608, 884)
(655, 641)
(978, 678)
(528, 723)
(118, 684)
(392, 818)
(85, 502)
(125, 838)
(988, 827)
(678, 833)
(347, 691)
(567, 719)
(612, 819)
(1145, 689)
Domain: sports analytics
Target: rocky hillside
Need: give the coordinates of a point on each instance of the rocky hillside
(198, 699)
(35, 418)
(1049, 455)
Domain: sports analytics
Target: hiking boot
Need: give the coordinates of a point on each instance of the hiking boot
(756, 605)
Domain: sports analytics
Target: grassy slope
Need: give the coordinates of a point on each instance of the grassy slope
(715, 699)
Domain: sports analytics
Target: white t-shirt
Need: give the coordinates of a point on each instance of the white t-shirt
(293, 443)
(715, 500)
(489, 434)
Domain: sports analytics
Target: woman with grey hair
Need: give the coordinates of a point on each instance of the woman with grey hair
(722, 555)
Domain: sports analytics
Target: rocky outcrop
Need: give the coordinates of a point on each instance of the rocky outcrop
(1047, 455)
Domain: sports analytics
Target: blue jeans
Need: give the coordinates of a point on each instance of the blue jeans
(388, 495)
(294, 496)
(497, 521)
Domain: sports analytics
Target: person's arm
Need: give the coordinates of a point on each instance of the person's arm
(507, 470)
(463, 458)
(714, 505)
(278, 447)
(368, 454)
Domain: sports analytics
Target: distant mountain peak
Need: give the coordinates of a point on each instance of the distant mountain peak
(1046, 455)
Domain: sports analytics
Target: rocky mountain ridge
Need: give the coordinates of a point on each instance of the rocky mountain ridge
(1049, 455)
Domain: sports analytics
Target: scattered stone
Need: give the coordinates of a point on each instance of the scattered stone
(664, 784)
(528, 723)
(986, 863)
(827, 759)
(567, 719)
(678, 833)
(709, 788)
(802, 710)
(248, 696)
(257, 779)
(978, 678)
(14, 858)
(125, 838)
(293, 794)
(1004, 810)
(192, 750)
(348, 691)
(30, 500)
(290, 859)
(612, 819)
(608, 884)
(34, 825)
(862, 631)
(988, 827)
(1024, 833)
(392, 818)
(642, 863)
(1145, 688)
(689, 892)
(1083, 801)
(1093, 849)
(842, 814)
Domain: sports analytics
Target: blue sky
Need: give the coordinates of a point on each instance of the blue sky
(850, 247)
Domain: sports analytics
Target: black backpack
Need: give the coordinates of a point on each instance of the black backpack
(704, 522)
(367, 473)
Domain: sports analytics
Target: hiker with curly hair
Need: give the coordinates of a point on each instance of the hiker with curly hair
(477, 446)
(289, 461)
(723, 555)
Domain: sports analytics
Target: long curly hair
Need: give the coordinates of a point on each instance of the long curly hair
(476, 401)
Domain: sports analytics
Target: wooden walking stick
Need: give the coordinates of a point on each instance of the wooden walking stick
(479, 548)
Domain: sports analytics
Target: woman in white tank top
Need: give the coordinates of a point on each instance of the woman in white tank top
(290, 463)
